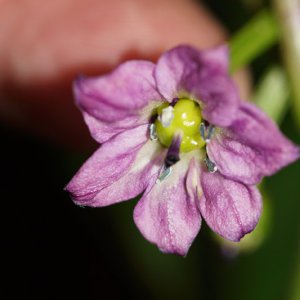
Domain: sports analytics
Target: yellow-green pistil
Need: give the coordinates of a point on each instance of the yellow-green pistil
(186, 120)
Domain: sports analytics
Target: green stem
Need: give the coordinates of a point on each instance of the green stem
(289, 19)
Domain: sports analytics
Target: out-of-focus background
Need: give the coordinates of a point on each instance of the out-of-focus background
(52, 248)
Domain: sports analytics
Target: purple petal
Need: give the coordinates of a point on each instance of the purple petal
(218, 96)
(203, 75)
(217, 57)
(107, 165)
(167, 214)
(121, 99)
(102, 131)
(145, 168)
(252, 147)
(230, 208)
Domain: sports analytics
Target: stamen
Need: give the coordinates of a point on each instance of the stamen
(173, 151)
(164, 174)
(206, 132)
(202, 130)
(153, 134)
(172, 158)
(211, 166)
(211, 130)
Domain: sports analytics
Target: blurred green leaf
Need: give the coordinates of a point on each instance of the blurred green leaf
(273, 93)
(253, 39)
(289, 19)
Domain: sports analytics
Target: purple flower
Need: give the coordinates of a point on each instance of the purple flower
(178, 133)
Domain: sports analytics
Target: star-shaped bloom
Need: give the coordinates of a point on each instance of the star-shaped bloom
(177, 133)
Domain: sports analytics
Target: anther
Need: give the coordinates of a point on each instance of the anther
(153, 134)
(164, 174)
(211, 166)
(172, 158)
(211, 130)
(206, 132)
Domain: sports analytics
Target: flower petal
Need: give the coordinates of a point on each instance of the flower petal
(102, 131)
(217, 57)
(145, 168)
(167, 214)
(252, 147)
(217, 94)
(107, 165)
(122, 99)
(230, 208)
(203, 75)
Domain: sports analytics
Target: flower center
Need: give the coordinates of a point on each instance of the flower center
(184, 118)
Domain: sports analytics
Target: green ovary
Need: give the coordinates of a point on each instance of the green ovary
(187, 120)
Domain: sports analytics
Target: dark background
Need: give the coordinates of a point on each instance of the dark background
(52, 248)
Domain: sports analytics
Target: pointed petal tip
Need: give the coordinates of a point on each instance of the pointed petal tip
(87, 199)
(230, 208)
(78, 198)
(218, 56)
(175, 251)
(240, 235)
(293, 154)
(167, 215)
(221, 50)
(165, 248)
(237, 236)
(78, 78)
(78, 91)
(297, 150)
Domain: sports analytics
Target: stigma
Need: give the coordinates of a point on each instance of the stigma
(183, 118)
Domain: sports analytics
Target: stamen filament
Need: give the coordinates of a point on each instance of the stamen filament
(211, 166)
(164, 174)
(206, 132)
(153, 134)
